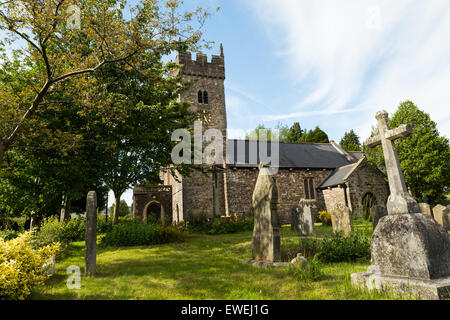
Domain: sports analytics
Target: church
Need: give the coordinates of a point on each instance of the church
(322, 174)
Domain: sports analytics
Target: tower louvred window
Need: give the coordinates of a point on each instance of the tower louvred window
(200, 97)
(205, 97)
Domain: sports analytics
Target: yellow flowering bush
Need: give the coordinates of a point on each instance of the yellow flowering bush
(21, 266)
(325, 217)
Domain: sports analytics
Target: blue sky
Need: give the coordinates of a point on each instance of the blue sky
(330, 63)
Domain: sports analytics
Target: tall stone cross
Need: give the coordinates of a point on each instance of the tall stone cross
(400, 201)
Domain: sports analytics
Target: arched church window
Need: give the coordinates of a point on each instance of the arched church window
(200, 96)
(205, 97)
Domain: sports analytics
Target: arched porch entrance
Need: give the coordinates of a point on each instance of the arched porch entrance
(154, 213)
(153, 204)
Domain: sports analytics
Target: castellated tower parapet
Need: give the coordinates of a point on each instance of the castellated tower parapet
(201, 67)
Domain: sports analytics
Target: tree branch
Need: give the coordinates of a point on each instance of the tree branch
(20, 34)
(71, 74)
(28, 114)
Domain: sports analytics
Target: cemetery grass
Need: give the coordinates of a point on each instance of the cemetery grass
(202, 268)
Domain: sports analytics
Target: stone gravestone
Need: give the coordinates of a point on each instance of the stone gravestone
(341, 219)
(425, 208)
(266, 236)
(410, 250)
(304, 219)
(90, 259)
(442, 216)
(380, 212)
(294, 218)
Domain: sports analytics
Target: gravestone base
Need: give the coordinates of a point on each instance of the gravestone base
(266, 264)
(411, 256)
(437, 289)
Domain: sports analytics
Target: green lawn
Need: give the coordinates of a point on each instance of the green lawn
(204, 267)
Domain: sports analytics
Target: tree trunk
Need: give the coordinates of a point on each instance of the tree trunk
(7, 220)
(64, 215)
(32, 220)
(116, 208)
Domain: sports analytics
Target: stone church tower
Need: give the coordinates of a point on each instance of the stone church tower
(201, 194)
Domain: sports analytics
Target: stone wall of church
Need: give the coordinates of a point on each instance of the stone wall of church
(241, 183)
(366, 179)
(177, 194)
(198, 195)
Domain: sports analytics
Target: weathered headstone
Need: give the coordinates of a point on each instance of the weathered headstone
(294, 218)
(410, 250)
(380, 212)
(341, 219)
(425, 208)
(442, 216)
(266, 236)
(90, 259)
(304, 219)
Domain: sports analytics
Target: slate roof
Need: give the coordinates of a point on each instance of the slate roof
(336, 178)
(292, 155)
(357, 154)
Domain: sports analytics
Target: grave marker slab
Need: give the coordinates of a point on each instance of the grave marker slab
(341, 219)
(425, 208)
(266, 236)
(90, 259)
(442, 216)
(304, 219)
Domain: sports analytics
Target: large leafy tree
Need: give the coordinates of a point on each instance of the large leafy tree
(350, 141)
(424, 156)
(295, 133)
(145, 97)
(57, 111)
(262, 133)
(42, 170)
(52, 52)
(124, 210)
(315, 136)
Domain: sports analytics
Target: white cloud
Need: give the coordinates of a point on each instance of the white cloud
(362, 56)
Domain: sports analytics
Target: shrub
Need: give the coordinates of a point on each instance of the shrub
(21, 267)
(227, 225)
(140, 234)
(335, 248)
(338, 248)
(171, 234)
(325, 217)
(51, 231)
(198, 223)
(8, 234)
(103, 225)
(73, 230)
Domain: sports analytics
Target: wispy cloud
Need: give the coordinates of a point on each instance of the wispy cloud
(361, 56)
